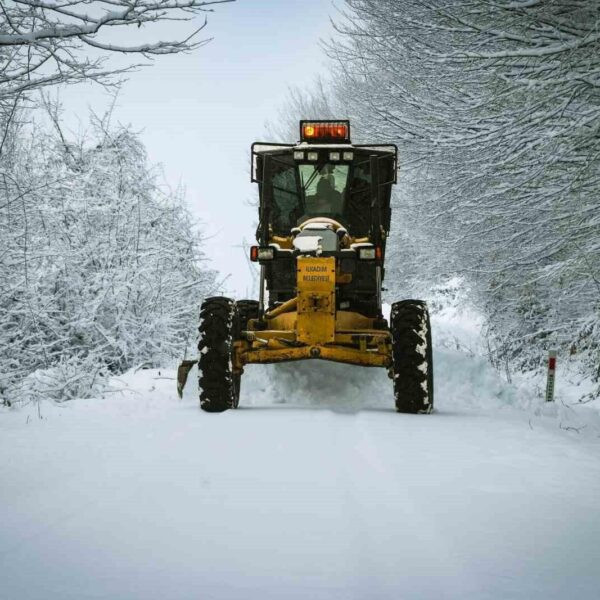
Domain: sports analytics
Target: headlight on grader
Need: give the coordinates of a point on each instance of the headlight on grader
(259, 253)
(367, 253)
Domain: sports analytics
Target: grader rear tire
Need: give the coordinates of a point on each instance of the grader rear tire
(246, 310)
(219, 386)
(412, 354)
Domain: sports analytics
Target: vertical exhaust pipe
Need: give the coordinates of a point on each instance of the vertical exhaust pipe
(261, 293)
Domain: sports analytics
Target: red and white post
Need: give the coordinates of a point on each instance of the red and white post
(551, 376)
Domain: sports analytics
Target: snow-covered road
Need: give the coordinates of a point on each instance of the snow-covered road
(140, 496)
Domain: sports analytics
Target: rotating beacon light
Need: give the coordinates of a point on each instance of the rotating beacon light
(336, 132)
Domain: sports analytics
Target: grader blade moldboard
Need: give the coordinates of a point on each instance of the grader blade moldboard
(183, 371)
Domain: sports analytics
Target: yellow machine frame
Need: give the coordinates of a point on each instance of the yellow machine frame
(308, 326)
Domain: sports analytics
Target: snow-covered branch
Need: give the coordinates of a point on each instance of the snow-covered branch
(46, 43)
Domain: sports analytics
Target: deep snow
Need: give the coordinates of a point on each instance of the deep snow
(314, 489)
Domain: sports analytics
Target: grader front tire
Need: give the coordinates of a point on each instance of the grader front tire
(412, 355)
(219, 386)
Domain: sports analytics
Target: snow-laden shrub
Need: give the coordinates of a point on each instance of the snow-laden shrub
(70, 378)
(100, 268)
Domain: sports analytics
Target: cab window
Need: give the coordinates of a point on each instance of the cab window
(324, 188)
(286, 197)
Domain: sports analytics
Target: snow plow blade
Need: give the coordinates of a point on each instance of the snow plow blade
(183, 371)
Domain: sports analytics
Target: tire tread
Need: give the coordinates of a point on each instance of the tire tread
(217, 383)
(412, 356)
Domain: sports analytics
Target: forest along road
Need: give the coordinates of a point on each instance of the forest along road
(140, 496)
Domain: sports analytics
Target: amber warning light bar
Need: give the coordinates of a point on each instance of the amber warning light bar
(325, 131)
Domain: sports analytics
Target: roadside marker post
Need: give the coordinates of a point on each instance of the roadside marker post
(551, 376)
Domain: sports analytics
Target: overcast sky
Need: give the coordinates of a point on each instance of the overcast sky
(199, 113)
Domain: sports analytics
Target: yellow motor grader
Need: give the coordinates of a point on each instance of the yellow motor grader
(324, 218)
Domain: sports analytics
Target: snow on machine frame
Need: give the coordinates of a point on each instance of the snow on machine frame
(324, 218)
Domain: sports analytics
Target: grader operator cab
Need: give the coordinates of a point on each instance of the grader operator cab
(324, 218)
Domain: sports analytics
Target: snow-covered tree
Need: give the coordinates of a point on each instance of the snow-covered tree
(101, 268)
(495, 106)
